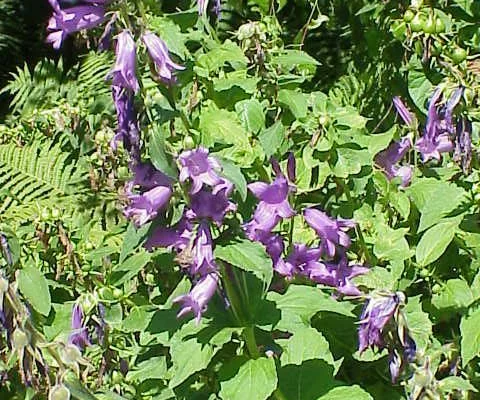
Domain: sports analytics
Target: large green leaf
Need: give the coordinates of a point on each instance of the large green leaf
(256, 379)
(251, 114)
(435, 241)
(454, 294)
(249, 256)
(347, 392)
(305, 344)
(470, 336)
(34, 287)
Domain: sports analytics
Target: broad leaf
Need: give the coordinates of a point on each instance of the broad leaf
(34, 287)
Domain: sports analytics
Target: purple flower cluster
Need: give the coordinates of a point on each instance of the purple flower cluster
(155, 192)
(382, 325)
(441, 135)
(65, 21)
(208, 205)
(326, 264)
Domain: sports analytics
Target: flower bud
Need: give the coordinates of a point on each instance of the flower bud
(20, 339)
(71, 354)
(59, 392)
(3, 285)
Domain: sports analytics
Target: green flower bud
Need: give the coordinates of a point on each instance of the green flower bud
(20, 339)
(59, 392)
(71, 354)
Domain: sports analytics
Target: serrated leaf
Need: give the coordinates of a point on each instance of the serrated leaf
(292, 58)
(454, 294)
(153, 368)
(249, 256)
(295, 101)
(34, 287)
(234, 174)
(347, 392)
(251, 114)
(256, 379)
(217, 57)
(131, 240)
(435, 241)
(221, 126)
(272, 138)
(452, 383)
(470, 336)
(160, 159)
(305, 344)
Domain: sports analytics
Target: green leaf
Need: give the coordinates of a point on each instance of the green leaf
(188, 357)
(350, 161)
(159, 157)
(34, 287)
(419, 325)
(292, 58)
(251, 114)
(130, 267)
(305, 344)
(131, 240)
(470, 336)
(435, 241)
(236, 78)
(221, 126)
(255, 379)
(295, 101)
(452, 383)
(249, 256)
(272, 138)
(308, 381)
(435, 199)
(300, 303)
(77, 390)
(391, 244)
(454, 294)
(153, 368)
(419, 87)
(347, 392)
(227, 52)
(234, 174)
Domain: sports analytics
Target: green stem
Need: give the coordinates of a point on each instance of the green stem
(249, 336)
(231, 293)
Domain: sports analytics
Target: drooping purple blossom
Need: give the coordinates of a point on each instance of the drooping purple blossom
(439, 129)
(302, 260)
(463, 144)
(146, 176)
(203, 260)
(337, 275)
(197, 300)
(128, 131)
(123, 73)
(144, 207)
(388, 159)
(177, 237)
(79, 335)
(377, 313)
(73, 19)
(449, 108)
(273, 206)
(403, 111)
(105, 39)
(159, 54)
(274, 247)
(291, 168)
(331, 231)
(207, 205)
(200, 168)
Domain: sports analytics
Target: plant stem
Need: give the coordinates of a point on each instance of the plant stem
(249, 336)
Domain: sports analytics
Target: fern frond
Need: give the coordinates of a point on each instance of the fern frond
(93, 70)
(32, 175)
(39, 89)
